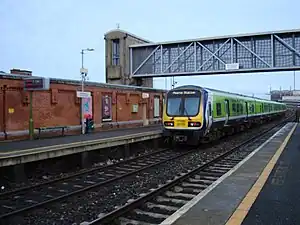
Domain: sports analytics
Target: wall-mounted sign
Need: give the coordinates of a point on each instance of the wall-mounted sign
(145, 95)
(135, 108)
(87, 107)
(11, 110)
(232, 66)
(37, 83)
(83, 94)
(106, 108)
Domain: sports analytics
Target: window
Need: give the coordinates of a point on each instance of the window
(233, 107)
(219, 109)
(252, 108)
(238, 108)
(242, 110)
(183, 106)
(266, 108)
(209, 109)
(191, 106)
(183, 103)
(173, 108)
(115, 52)
(156, 107)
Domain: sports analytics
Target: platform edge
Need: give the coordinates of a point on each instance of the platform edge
(171, 219)
(241, 212)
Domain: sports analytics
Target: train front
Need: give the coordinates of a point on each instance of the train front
(183, 120)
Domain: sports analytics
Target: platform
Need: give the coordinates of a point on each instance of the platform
(274, 192)
(17, 152)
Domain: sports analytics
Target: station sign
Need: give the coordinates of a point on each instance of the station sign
(145, 95)
(36, 84)
(83, 94)
(232, 66)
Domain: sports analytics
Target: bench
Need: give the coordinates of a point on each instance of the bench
(62, 128)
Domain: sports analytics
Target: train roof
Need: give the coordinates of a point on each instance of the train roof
(195, 87)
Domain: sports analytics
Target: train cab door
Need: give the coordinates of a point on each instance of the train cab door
(226, 111)
(209, 115)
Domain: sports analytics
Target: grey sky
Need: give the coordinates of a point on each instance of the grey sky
(46, 36)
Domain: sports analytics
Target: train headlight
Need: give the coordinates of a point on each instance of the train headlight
(169, 124)
(194, 124)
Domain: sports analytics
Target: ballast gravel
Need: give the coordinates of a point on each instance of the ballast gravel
(87, 206)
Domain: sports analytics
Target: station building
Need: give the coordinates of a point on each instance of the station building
(116, 103)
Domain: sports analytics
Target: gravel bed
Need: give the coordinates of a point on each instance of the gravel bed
(52, 174)
(89, 205)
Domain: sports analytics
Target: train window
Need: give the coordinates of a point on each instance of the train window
(173, 106)
(233, 107)
(242, 110)
(251, 108)
(191, 105)
(219, 109)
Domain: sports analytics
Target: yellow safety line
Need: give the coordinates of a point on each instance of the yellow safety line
(242, 210)
(73, 144)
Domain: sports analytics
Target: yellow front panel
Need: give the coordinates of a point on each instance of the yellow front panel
(182, 122)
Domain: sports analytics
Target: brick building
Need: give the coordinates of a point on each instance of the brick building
(60, 105)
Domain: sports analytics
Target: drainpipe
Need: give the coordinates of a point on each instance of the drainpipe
(4, 111)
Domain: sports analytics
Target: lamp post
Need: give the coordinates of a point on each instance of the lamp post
(294, 80)
(83, 73)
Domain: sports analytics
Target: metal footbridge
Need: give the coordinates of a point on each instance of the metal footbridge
(246, 53)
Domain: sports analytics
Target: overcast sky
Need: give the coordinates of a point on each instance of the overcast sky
(46, 36)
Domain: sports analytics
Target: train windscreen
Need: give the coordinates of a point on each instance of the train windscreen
(183, 103)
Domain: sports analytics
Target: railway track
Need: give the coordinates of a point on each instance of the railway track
(158, 204)
(27, 198)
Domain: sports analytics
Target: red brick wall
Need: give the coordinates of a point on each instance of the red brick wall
(60, 106)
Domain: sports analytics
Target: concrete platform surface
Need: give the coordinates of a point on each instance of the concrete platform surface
(28, 144)
(20, 152)
(279, 200)
(217, 203)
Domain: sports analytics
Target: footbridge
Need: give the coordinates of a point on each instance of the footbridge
(246, 53)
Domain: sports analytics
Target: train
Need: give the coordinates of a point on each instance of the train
(193, 114)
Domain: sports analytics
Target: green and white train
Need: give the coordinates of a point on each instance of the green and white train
(192, 113)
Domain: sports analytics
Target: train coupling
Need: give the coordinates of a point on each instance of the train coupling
(180, 138)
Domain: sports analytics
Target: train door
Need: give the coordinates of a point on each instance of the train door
(209, 115)
(247, 110)
(226, 111)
